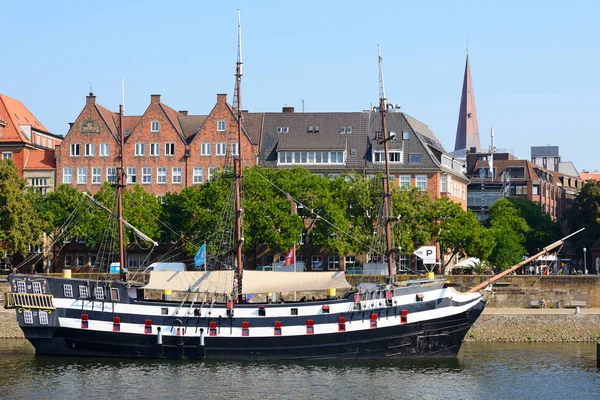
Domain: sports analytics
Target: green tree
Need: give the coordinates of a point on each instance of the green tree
(510, 230)
(585, 213)
(19, 222)
(543, 230)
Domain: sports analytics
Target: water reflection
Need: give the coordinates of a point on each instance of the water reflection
(492, 370)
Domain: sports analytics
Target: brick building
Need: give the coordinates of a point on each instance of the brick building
(28, 143)
(165, 150)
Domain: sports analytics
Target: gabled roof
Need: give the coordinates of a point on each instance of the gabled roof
(40, 159)
(14, 113)
(172, 116)
(191, 124)
(111, 120)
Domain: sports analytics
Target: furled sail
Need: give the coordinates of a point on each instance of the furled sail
(193, 281)
(269, 281)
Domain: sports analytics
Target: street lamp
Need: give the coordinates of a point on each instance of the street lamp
(584, 260)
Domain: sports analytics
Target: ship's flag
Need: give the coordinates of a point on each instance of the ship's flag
(290, 258)
(200, 257)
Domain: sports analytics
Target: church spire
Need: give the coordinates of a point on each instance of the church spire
(467, 132)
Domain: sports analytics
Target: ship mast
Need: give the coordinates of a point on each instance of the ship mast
(387, 194)
(120, 186)
(237, 161)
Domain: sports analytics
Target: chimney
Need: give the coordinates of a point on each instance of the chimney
(155, 99)
(287, 109)
(91, 99)
(183, 112)
(221, 98)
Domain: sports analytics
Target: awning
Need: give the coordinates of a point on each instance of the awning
(269, 281)
(195, 281)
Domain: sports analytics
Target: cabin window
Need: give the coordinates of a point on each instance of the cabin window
(114, 294)
(21, 287)
(99, 293)
(28, 317)
(262, 311)
(294, 311)
(84, 293)
(43, 317)
(37, 287)
(68, 290)
(164, 311)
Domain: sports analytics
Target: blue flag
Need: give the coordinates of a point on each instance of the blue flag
(200, 257)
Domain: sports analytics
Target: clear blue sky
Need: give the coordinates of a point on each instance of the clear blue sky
(535, 64)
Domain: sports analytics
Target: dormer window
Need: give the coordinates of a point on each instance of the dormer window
(311, 129)
(317, 128)
(345, 130)
(154, 126)
(286, 129)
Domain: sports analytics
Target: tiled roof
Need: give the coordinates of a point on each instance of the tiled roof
(191, 124)
(40, 159)
(14, 113)
(253, 124)
(130, 121)
(173, 117)
(111, 120)
(590, 175)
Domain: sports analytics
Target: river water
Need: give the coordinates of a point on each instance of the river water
(481, 371)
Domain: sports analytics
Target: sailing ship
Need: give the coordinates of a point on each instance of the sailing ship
(86, 317)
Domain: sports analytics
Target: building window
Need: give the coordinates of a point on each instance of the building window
(146, 175)
(317, 263)
(131, 175)
(43, 317)
(81, 175)
(221, 149)
(96, 175)
(39, 184)
(176, 175)
(235, 149)
(36, 287)
(154, 126)
(68, 261)
(80, 259)
(212, 172)
(394, 156)
(140, 149)
(333, 263)
(7, 155)
(414, 158)
(310, 157)
(161, 175)
(104, 149)
(444, 183)
(198, 175)
(75, 150)
(221, 125)
(28, 317)
(21, 287)
(169, 149)
(205, 149)
(99, 293)
(421, 182)
(68, 175)
(68, 290)
(405, 135)
(89, 149)
(111, 174)
(154, 149)
(84, 293)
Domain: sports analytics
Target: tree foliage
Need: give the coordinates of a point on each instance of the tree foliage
(585, 213)
(543, 231)
(509, 230)
(19, 223)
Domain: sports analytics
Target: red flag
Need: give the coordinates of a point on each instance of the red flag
(290, 257)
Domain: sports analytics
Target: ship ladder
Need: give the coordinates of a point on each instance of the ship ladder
(29, 300)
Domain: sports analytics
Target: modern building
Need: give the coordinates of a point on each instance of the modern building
(28, 143)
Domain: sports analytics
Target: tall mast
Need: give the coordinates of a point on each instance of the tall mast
(237, 162)
(120, 186)
(387, 194)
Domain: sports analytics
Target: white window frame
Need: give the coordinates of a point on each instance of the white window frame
(36, 287)
(332, 261)
(212, 172)
(74, 150)
(89, 149)
(205, 149)
(111, 174)
(414, 154)
(154, 149)
(104, 149)
(21, 287)
(311, 157)
(140, 149)
(132, 175)
(405, 135)
(68, 290)
(155, 126)
(221, 125)
(444, 183)
(7, 155)
(99, 293)
(235, 149)
(84, 292)
(146, 175)
(28, 316)
(221, 149)
(67, 175)
(43, 316)
(81, 175)
(315, 259)
(169, 149)
(161, 175)
(198, 175)
(96, 175)
(421, 182)
(394, 156)
(177, 175)
(404, 182)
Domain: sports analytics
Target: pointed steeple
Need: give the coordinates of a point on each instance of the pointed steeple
(467, 132)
